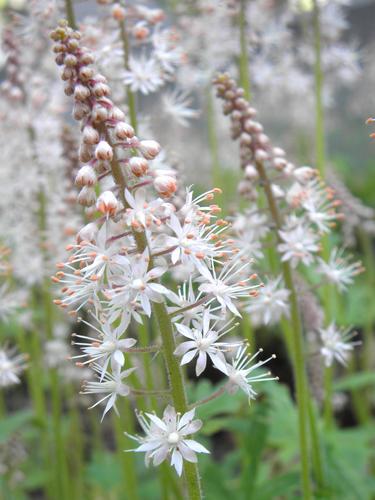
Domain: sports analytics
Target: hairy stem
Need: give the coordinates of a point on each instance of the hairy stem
(243, 61)
(70, 14)
(319, 110)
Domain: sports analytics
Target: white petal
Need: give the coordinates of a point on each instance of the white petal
(194, 445)
(188, 357)
(176, 461)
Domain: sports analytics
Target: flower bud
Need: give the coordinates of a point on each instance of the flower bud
(85, 153)
(86, 176)
(101, 89)
(124, 131)
(251, 172)
(103, 151)
(138, 165)
(86, 73)
(117, 114)
(261, 155)
(99, 113)
(87, 196)
(118, 12)
(304, 174)
(279, 163)
(165, 185)
(90, 135)
(88, 232)
(140, 31)
(149, 149)
(107, 203)
(70, 60)
(87, 58)
(81, 92)
(80, 110)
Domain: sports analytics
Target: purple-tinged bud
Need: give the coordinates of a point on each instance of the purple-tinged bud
(124, 131)
(149, 149)
(70, 61)
(117, 114)
(103, 151)
(68, 73)
(107, 203)
(101, 89)
(80, 110)
(87, 196)
(99, 113)
(59, 59)
(90, 135)
(86, 176)
(87, 58)
(261, 155)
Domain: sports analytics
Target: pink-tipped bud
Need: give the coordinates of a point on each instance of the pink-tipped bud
(81, 92)
(70, 60)
(118, 12)
(87, 58)
(117, 114)
(107, 203)
(251, 173)
(279, 163)
(90, 135)
(261, 155)
(103, 151)
(87, 196)
(86, 73)
(278, 152)
(140, 31)
(86, 176)
(80, 110)
(124, 131)
(87, 233)
(304, 174)
(138, 165)
(165, 185)
(99, 113)
(149, 149)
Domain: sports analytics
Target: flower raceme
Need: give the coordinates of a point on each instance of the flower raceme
(140, 234)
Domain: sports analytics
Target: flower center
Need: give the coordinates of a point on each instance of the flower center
(138, 284)
(173, 438)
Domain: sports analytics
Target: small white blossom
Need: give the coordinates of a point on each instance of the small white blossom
(11, 366)
(299, 245)
(166, 438)
(143, 75)
(339, 270)
(336, 344)
(270, 304)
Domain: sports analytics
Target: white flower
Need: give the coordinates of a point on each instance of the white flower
(167, 54)
(108, 348)
(228, 285)
(336, 345)
(144, 75)
(166, 438)
(185, 300)
(142, 214)
(339, 270)
(111, 384)
(204, 341)
(270, 304)
(136, 284)
(240, 369)
(176, 104)
(11, 366)
(299, 245)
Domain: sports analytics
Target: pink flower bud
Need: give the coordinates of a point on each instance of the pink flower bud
(279, 163)
(87, 58)
(140, 31)
(103, 151)
(86, 176)
(90, 135)
(86, 73)
(117, 114)
(107, 203)
(70, 60)
(80, 110)
(99, 113)
(261, 155)
(149, 149)
(165, 185)
(124, 131)
(138, 165)
(278, 152)
(87, 196)
(101, 89)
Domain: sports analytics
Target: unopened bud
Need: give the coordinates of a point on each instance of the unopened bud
(138, 165)
(304, 174)
(85, 153)
(101, 89)
(165, 185)
(90, 135)
(118, 12)
(103, 151)
(251, 172)
(87, 196)
(149, 149)
(107, 203)
(81, 92)
(87, 233)
(86, 176)
(124, 131)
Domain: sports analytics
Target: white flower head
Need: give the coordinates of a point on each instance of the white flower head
(339, 270)
(11, 366)
(270, 304)
(204, 341)
(299, 244)
(240, 369)
(144, 75)
(336, 344)
(166, 438)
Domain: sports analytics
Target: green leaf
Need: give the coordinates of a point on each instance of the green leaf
(278, 486)
(104, 471)
(11, 424)
(355, 381)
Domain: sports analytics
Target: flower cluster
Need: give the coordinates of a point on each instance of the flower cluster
(116, 266)
(302, 209)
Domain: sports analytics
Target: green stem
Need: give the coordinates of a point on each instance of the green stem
(298, 349)
(319, 109)
(166, 330)
(70, 14)
(328, 394)
(243, 61)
